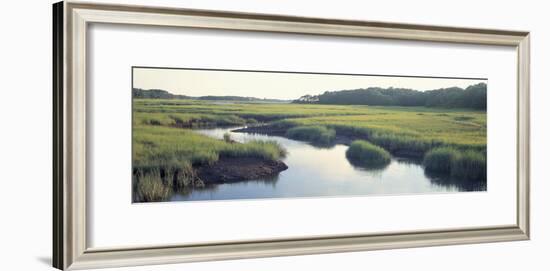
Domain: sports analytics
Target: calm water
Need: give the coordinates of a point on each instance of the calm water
(317, 172)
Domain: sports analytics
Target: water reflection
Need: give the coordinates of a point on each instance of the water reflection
(460, 184)
(320, 171)
(360, 165)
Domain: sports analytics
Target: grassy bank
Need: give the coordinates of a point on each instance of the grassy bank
(182, 120)
(168, 155)
(166, 150)
(314, 134)
(394, 128)
(407, 129)
(367, 155)
(255, 112)
(457, 163)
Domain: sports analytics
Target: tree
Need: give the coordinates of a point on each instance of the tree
(474, 96)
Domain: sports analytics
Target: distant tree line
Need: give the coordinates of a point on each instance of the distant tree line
(163, 94)
(474, 96)
(155, 94)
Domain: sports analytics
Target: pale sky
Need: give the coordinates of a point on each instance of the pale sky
(275, 85)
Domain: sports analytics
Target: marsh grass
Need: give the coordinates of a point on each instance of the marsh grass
(150, 187)
(440, 160)
(227, 137)
(367, 154)
(461, 164)
(165, 158)
(205, 120)
(183, 120)
(268, 150)
(470, 165)
(166, 150)
(463, 118)
(316, 134)
(418, 124)
(406, 134)
(403, 144)
(403, 131)
(183, 176)
(169, 147)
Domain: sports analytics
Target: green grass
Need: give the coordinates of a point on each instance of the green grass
(407, 125)
(400, 130)
(406, 131)
(158, 147)
(315, 134)
(367, 154)
(163, 139)
(166, 157)
(150, 187)
(464, 118)
(470, 165)
(227, 138)
(457, 163)
(440, 160)
(460, 128)
(251, 112)
(183, 120)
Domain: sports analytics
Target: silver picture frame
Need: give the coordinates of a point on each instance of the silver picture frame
(70, 247)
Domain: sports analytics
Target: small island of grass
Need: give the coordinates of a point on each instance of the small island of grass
(367, 155)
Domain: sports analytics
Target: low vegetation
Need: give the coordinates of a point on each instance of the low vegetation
(367, 154)
(315, 134)
(403, 131)
(166, 147)
(166, 151)
(165, 158)
(400, 130)
(470, 165)
(440, 160)
(182, 120)
(457, 163)
(149, 187)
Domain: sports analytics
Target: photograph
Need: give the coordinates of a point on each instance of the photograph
(213, 134)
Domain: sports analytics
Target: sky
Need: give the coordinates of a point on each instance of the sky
(275, 85)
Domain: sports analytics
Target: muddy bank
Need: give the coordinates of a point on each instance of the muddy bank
(232, 169)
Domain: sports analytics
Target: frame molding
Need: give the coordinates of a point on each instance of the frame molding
(70, 21)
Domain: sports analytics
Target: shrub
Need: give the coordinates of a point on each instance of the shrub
(314, 134)
(367, 154)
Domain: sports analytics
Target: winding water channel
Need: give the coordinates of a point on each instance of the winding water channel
(317, 172)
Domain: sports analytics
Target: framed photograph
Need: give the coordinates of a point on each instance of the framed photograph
(190, 135)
